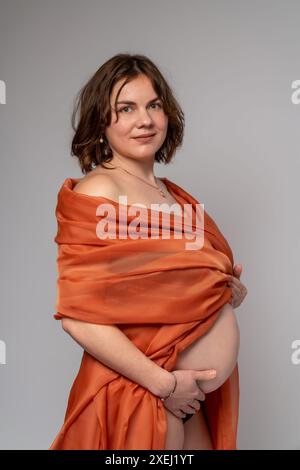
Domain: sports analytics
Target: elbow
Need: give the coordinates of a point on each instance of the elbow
(66, 323)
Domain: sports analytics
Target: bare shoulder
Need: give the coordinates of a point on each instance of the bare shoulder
(98, 184)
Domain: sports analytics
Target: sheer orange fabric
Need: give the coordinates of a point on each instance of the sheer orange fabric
(161, 295)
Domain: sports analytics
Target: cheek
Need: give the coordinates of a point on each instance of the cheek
(161, 123)
(164, 129)
(120, 131)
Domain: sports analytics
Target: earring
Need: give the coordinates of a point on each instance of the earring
(105, 149)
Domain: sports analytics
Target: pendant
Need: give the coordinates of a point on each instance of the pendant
(162, 193)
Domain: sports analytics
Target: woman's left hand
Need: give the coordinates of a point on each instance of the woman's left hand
(239, 291)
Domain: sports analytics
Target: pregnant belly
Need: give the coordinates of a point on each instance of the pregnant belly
(218, 349)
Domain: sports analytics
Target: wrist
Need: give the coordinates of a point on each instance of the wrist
(166, 385)
(170, 394)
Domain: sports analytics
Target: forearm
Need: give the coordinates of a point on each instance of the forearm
(109, 345)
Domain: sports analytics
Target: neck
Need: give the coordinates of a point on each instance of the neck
(142, 169)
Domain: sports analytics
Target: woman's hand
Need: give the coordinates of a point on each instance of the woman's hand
(187, 392)
(239, 291)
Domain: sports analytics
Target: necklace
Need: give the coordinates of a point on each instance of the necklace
(162, 193)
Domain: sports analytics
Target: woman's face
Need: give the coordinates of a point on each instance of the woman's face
(144, 115)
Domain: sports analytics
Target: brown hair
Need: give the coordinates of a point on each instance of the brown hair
(95, 110)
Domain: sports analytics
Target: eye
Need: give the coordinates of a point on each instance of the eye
(122, 109)
(127, 107)
(156, 104)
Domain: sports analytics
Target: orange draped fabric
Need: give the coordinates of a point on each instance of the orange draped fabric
(161, 295)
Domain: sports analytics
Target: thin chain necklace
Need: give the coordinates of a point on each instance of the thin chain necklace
(162, 193)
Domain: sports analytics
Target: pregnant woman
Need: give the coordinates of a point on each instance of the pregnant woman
(152, 314)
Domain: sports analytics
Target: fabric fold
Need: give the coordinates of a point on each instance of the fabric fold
(162, 295)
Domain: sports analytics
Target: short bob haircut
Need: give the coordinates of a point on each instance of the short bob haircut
(95, 110)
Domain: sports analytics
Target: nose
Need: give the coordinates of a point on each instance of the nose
(144, 118)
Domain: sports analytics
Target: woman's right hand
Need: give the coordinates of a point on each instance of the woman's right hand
(187, 393)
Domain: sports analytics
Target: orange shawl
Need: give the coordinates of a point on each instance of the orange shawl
(162, 296)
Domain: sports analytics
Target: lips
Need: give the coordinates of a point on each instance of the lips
(144, 136)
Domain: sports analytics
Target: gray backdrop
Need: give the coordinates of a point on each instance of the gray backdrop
(231, 65)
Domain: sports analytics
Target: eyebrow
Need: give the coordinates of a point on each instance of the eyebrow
(132, 102)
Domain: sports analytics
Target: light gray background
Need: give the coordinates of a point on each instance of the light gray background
(231, 65)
